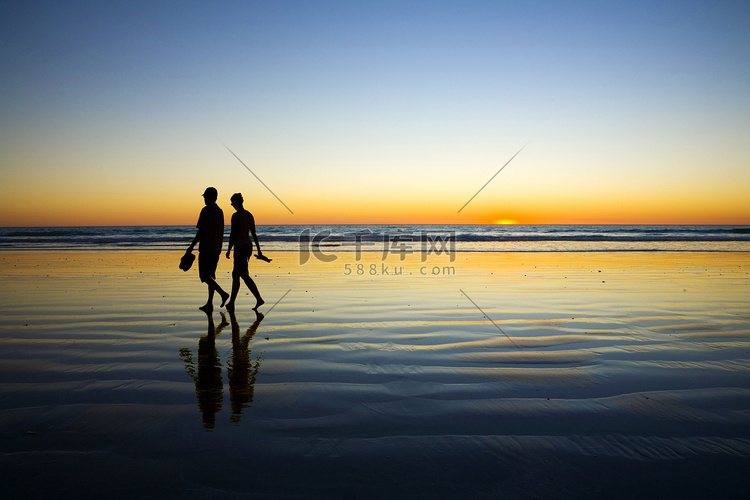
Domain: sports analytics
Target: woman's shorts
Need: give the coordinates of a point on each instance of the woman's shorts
(241, 257)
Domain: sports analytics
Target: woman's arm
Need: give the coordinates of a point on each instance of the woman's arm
(251, 219)
(231, 238)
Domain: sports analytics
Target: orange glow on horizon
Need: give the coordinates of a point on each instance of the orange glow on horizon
(152, 207)
(264, 219)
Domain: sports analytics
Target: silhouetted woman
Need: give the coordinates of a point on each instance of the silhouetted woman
(243, 225)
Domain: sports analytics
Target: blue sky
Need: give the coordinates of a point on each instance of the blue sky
(394, 107)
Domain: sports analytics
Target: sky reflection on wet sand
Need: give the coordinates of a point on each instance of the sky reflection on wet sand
(575, 366)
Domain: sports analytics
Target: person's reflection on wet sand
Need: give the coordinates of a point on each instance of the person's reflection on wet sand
(209, 387)
(241, 372)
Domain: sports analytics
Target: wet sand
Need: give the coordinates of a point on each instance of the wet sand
(511, 375)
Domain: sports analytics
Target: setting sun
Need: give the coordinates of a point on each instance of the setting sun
(505, 221)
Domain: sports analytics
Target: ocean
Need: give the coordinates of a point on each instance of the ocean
(407, 238)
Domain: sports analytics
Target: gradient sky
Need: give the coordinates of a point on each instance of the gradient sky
(375, 112)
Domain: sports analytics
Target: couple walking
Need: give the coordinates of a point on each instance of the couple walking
(210, 238)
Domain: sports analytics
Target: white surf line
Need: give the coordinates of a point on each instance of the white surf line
(485, 184)
(282, 298)
(264, 184)
(486, 316)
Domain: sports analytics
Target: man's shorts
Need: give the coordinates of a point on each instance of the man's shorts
(241, 256)
(207, 263)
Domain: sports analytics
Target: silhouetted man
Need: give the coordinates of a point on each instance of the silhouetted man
(210, 237)
(209, 388)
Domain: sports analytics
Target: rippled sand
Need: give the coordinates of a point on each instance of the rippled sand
(535, 375)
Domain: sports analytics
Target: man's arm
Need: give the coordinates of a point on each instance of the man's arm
(195, 241)
(201, 224)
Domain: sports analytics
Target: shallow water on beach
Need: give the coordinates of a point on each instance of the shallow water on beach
(527, 375)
